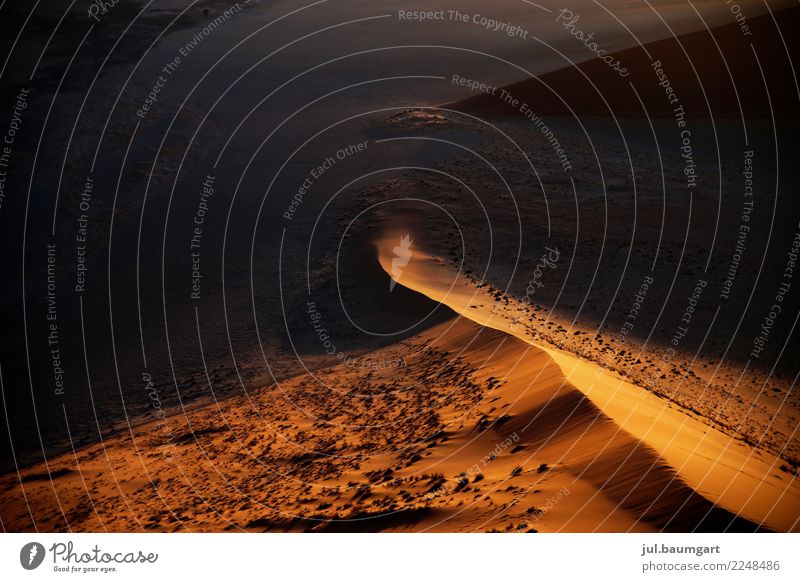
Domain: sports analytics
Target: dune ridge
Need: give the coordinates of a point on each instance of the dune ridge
(723, 469)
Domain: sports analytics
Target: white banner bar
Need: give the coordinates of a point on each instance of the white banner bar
(400, 557)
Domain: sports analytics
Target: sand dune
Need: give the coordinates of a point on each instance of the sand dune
(382, 385)
(488, 433)
(726, 471)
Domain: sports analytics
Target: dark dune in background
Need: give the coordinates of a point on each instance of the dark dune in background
(724, 80)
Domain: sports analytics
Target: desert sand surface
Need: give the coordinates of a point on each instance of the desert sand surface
(436, 345)
(491, 431)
